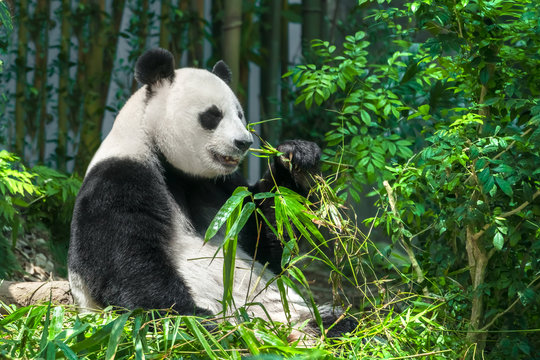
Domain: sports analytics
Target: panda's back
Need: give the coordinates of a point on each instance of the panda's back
(123, 217)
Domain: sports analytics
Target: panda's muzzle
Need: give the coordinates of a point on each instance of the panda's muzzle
(230, 161)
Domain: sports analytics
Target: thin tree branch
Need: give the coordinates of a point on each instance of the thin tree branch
(488, 325)
(506, 214)
(408, 249)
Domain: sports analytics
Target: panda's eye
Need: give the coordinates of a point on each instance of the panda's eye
(210, 118)
(240, 115)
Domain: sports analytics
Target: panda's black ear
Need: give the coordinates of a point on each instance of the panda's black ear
(153, 66)
(222, 71)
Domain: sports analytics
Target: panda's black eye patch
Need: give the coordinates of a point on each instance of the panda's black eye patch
(210, 118)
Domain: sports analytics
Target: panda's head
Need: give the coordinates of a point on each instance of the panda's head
(192, 116)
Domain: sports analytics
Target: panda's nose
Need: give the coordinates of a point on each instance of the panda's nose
(243, 145)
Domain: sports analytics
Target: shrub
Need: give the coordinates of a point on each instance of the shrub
(447, 128)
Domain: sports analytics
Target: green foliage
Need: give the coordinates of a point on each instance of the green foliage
(57, 332)
(365, 135)
(32, 198)
(450, 118)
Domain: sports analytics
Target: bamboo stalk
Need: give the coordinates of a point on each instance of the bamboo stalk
(141, 34)
(284, 55)
(311, 24)
(63, 83)
(103, 34)
(41, 41)
(165, 23)
(196, 32)
(271, 75)
(20, 87)
(232, 27)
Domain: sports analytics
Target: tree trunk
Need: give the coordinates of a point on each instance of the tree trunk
(20, 87)
(30, 293)
(63, 84)
(232, 28)
(216, 27)
(478, 260)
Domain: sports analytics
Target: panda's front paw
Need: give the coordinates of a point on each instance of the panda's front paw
(300, 155)
(302, 159)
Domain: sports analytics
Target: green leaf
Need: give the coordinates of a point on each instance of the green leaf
(486, 179)
(197, 331)
(365, 117)
(249, 339)
(505, 186)
(424, 109)
(264, 195)
(484, 75)
(68, 353)
(504, 168)
(527, 296)
(410, 72)
(225, 212)
(116, 334)
(239, 223)
(95, 340)
(498, 241)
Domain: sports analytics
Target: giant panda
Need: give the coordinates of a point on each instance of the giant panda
(157, 180)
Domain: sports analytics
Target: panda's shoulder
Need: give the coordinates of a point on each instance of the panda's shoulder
(125, 180)
(119, 170)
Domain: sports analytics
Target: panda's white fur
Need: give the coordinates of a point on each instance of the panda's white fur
(174, 123)
(115, 257)
(129, 134)
(203, 274)
(169, 119)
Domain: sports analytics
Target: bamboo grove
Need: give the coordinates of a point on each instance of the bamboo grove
(61, 58)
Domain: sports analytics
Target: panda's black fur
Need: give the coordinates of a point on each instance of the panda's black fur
(154, 66)
(137, 210)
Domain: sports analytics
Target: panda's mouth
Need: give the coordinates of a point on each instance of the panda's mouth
(226, 160)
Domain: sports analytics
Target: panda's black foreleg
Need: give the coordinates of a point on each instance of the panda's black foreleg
(294, 170)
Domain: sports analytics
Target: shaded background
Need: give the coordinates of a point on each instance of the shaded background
(68, 65)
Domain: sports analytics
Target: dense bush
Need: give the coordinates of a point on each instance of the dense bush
(33, 199)
(446, 127)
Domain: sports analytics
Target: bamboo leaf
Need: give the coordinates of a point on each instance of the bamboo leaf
(283, 295)
(69, 354)
(116, 334)
(249, 339)
(229, 254)
(198, 331)
(239, 223)
(95, 340)
(225, 212)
